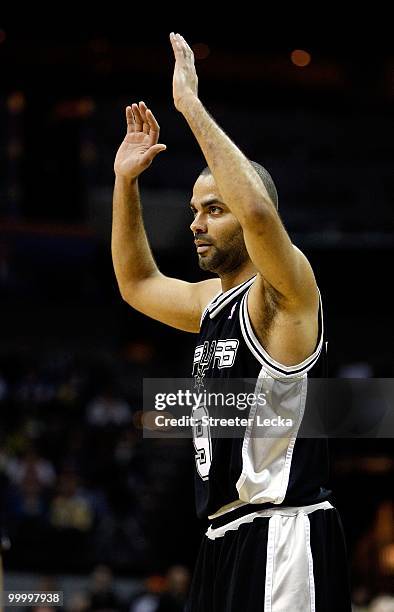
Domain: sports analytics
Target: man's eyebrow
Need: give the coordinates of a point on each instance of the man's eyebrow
(208, 202)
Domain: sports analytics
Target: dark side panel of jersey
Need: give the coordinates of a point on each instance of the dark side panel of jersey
(253, 471)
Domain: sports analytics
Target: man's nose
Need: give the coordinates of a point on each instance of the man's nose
(199, 225)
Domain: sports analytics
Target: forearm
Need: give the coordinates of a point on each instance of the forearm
(239, 185)
(131, 255)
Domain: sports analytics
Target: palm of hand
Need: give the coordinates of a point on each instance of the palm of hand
(140, 144)
(131, 151)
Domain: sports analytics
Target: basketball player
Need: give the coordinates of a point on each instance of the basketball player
(274, 542)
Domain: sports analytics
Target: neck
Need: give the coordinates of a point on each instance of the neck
(238, 276)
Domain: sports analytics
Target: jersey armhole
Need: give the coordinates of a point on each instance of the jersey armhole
(271, 365)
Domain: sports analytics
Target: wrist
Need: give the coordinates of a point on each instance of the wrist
(125, 181)
(187, 103)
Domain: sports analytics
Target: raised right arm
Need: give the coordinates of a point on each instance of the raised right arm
(174, 302)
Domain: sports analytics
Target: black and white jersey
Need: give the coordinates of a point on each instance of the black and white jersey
(233, 473)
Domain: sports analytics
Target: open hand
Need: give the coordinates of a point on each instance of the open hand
(185, 81)
(140, 145)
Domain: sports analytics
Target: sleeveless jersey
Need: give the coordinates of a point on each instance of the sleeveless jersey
(245, 474)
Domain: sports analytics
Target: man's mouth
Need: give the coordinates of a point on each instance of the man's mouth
(202, 246)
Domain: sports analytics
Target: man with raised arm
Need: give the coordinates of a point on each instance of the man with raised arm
(274, 542)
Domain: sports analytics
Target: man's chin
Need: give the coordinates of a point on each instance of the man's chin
(205, 263)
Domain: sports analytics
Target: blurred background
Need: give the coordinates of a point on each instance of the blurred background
(87, 504)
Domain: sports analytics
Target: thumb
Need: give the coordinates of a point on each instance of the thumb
(153, 151)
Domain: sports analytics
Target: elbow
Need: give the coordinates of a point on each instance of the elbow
(134, 292)
(125, 293)
(125, 297)
(128, 298)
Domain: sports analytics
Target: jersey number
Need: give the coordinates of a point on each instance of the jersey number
(202, 442)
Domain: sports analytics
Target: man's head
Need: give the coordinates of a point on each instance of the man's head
(217, 233)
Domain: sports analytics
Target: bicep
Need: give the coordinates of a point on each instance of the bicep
(279, 262)
(174, 302)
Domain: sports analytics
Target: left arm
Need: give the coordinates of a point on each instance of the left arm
(282, 265)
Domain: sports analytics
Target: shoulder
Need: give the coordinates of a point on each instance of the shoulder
(207, 290)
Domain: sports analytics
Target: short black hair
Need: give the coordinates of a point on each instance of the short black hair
(265, 177)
